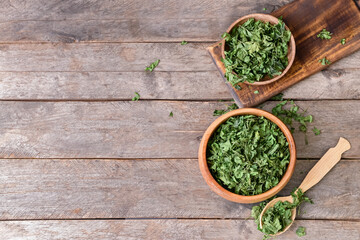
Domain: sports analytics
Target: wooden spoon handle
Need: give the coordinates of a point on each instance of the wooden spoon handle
(325, 164)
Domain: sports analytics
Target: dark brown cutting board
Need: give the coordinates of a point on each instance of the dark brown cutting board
(305, 18)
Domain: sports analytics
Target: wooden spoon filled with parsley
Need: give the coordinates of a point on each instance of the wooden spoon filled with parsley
(255, 51)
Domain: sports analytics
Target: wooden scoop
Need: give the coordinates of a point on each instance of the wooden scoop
(321, 168)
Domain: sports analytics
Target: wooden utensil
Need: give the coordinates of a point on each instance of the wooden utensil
(305, 19)
(321, 168)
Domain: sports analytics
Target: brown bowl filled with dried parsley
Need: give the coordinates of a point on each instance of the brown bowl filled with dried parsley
(257, 49)
(247, 155)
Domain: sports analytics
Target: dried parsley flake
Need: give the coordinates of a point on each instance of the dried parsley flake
(255, 50)
(248, 155)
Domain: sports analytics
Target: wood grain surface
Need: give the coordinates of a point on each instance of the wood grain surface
(122, 20)
(305, 19)
(121, 129)
(332, 83)
(65, 71)
(85, 159)
(151, 188)
(114, 57)
(169, 229)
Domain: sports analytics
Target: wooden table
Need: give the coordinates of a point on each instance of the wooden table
(80, 160)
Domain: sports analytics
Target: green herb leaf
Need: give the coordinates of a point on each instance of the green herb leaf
(278, 97)
(184, 42)
(290, 114)
(324, 61)
(256, 50)
(171, 114)
(324, 34)
(248, 155)
(316, 131)
(264, 9)
(152, 66)
(343, 41)
(256, 92)
(136, 98)
(278, 217)
(301, 231)
(228, 109)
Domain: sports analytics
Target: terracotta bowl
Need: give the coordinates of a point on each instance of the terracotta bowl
(216, 187)
(272, 20)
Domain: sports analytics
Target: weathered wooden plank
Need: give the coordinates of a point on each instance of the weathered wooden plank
(113, 85)
(331, 83)
(64, 21)
(328, 84)
(127, 9)
(126, 57)
(115, 129)
(168, 188)
(169, 229)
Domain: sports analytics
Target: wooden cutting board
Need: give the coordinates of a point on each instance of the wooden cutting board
(305, 18)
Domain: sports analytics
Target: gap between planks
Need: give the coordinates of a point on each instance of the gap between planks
(151, 219)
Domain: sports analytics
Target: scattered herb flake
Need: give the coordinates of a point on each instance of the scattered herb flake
(278, 97)
(316, 131)
(278, 217)
(237, 87)
(256, 92)
(223, 111)
(324, 61)
(256, 50)
(324, 34)
(171, 114)
(289, 115)
(301, 231)
(152, 66)
(287, 111)
(220, 44)
(264, 9)
(184, 42)
(343, 41)
(136, 98)
(248, 155)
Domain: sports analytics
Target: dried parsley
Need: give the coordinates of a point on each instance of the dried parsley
(184, 42)
(171, 114)
(301, 231)
(152, 66)
(324, 61)
(223, 111)
(248, 155)
(256, 92)
(278, 217)
(324, 34)
(316, 131)
(278, 97)
(292, 114)
(136, 98)
(343, 41)
(255, 50)
(287, 111)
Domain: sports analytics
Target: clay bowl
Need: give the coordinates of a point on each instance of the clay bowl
(272, 20)
(216, 187)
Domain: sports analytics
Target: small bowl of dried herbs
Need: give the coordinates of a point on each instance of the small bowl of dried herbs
(257, 49)
(247, 155)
